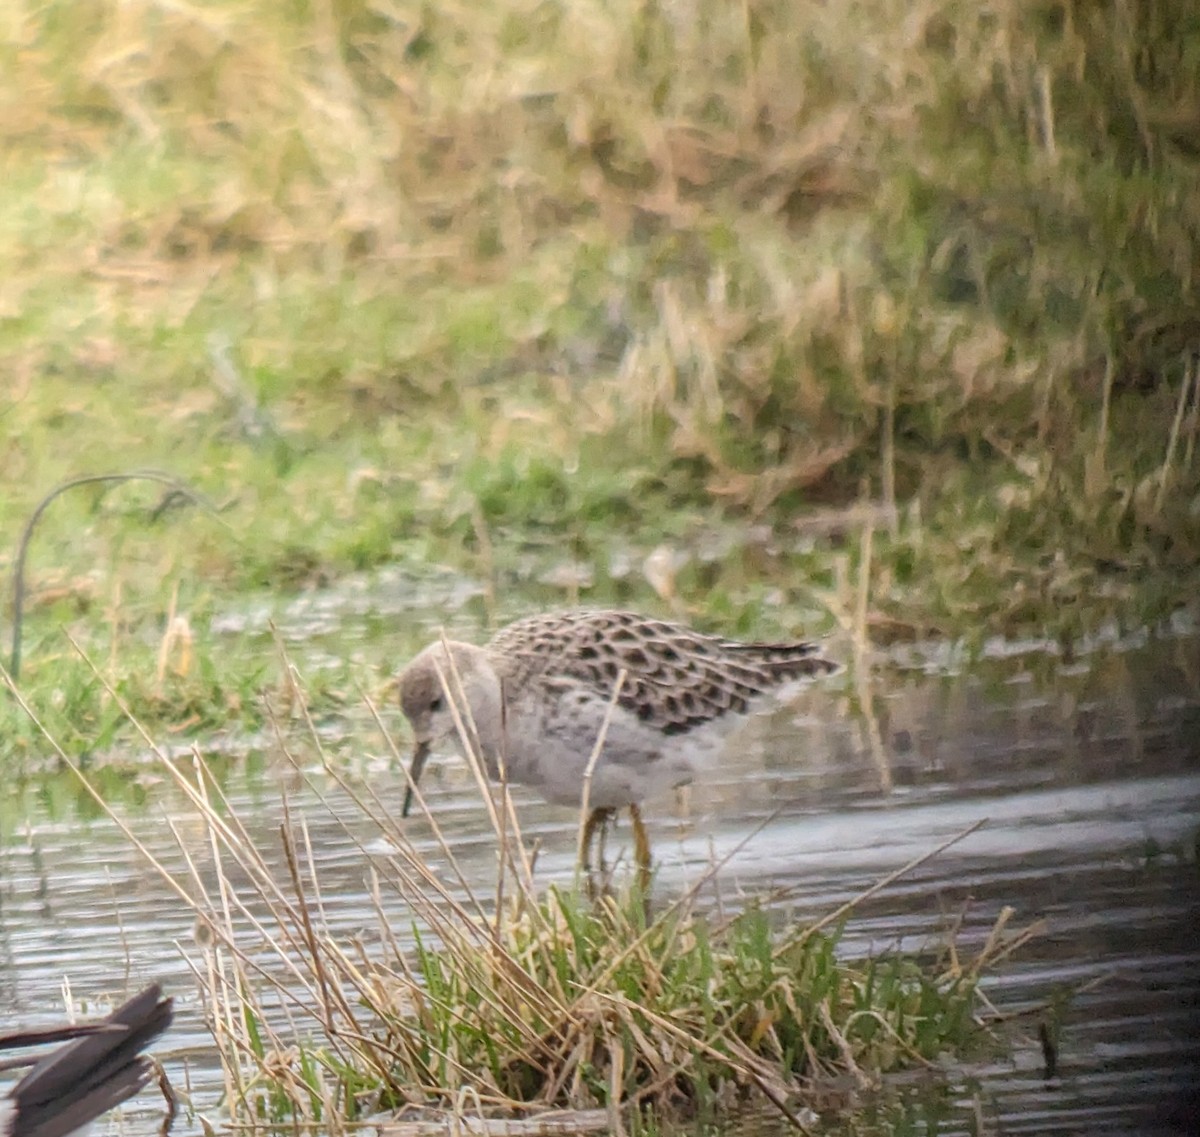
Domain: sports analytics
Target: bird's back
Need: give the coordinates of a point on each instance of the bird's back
(676, 679)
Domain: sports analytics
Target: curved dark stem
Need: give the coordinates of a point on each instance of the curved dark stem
(179, 488)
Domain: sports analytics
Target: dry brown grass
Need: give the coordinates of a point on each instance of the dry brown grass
(754, 258)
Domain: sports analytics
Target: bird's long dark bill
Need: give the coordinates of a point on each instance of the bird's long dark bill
(414, 775)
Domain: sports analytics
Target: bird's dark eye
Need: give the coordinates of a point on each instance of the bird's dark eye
(435, 704)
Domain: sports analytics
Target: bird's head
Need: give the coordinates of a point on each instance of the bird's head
(449, 677)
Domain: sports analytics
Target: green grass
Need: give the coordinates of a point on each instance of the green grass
(682, 1014)
(496, 286)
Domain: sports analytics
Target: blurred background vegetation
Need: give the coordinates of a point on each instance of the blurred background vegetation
(538, 289)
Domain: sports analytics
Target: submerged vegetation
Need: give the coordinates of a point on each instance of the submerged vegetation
(540, 291)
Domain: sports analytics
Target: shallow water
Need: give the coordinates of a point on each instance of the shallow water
(1086, 774)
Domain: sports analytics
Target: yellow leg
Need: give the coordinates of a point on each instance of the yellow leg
(597, 820)
(641, 851)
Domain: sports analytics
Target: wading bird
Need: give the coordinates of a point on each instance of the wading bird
(535, 700)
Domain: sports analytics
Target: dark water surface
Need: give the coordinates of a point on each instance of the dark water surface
(1087, 774)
